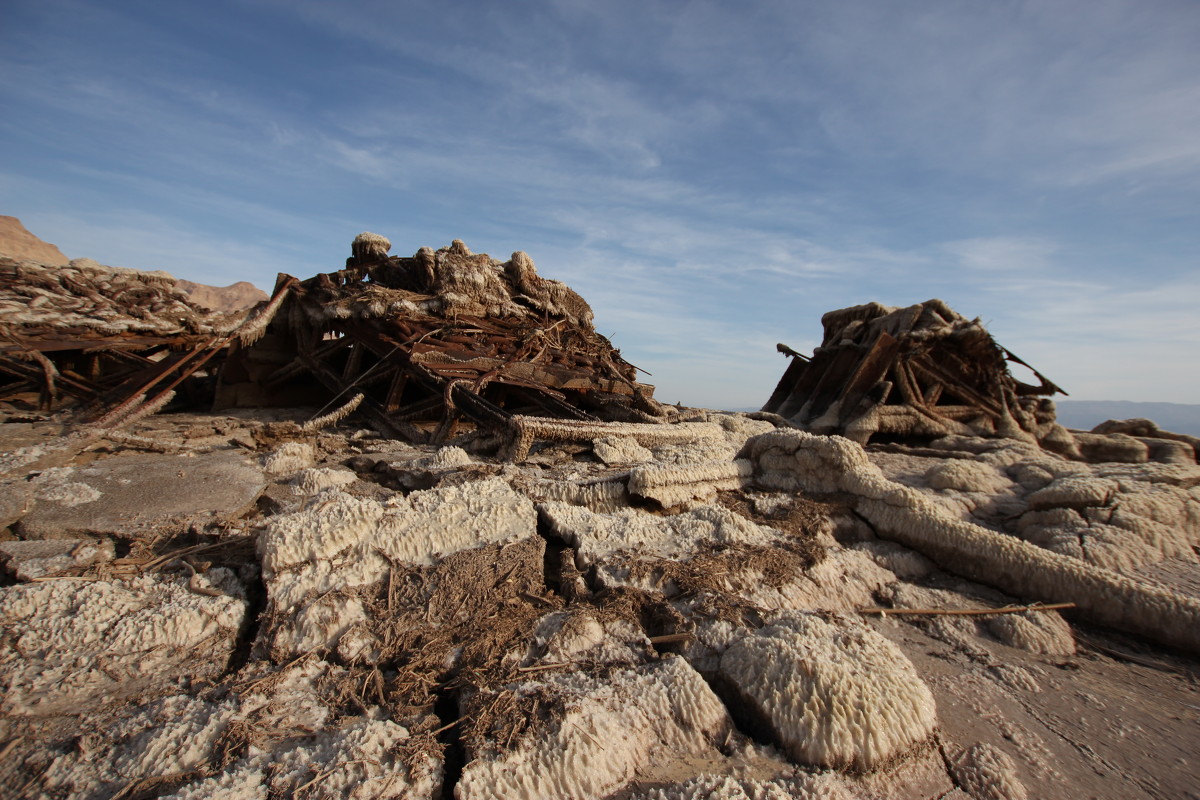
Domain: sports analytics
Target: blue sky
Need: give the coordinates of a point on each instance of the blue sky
(711, 176)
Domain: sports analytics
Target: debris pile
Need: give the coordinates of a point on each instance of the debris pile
(920, 371)
(444, 337)
(97, 338)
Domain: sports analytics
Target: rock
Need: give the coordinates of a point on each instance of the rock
(41, 558)
(234, 297)
(831, 693)
(73, 640)
(620, 450)
(127, 495)
(322, 564)
(603, 729)
(18, 242)
(289, 458)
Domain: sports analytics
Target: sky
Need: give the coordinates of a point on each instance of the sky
(711, 176)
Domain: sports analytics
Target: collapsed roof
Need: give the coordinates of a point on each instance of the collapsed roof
(100, 337)
(444, 336)
(919, 371)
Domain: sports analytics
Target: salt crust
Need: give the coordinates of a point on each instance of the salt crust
(70, 637)
(620, 450)
(988, 773)
(613, 725)
(342, 542)
(291, 745)
(289, 458)
(822, 786)
(317, 479)
(791, 460)
(834, 693)
(614, 543)
(681, 485)
(579, 637)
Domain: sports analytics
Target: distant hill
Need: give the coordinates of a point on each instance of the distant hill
(1087, 414)
(18, 242)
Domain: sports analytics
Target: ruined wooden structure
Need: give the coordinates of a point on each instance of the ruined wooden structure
(436, 340)
(920, 371)
(96, 339)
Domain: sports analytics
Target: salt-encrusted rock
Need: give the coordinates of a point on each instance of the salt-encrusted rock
(620, 450)
(26, 561)
(712, 547)
(341, 542)
(1112, 447)
(291, 739)
(315, 560)
(831, 693)
(289, 458)
(793, 460)
(1036, 631)
(988, 773)
(318, 479)
(128, 495)
(687, 485)
(171, 736)
(966, 476)
(820, 786)
(1074, 492)
(581, 637)
(72, 640)
(603, 729)
(904, 563)
(599, 538)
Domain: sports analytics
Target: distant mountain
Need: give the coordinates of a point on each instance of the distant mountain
(227, 298)
(18, 242)
(1087, 414)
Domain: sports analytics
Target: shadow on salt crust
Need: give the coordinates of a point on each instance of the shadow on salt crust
(611, 726)
(832, 693)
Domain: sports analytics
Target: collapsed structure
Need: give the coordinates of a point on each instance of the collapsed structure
(103, 338)
(440, 337)
(443, 336)
(923, 370)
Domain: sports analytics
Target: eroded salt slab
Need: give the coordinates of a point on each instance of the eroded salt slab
(72, 640)
(832, 692)
(609, 727)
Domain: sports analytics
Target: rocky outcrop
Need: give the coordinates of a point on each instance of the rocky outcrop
(19, 243)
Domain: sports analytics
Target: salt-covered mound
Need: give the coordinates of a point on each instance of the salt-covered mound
(604, 729)
(793, 460)
(832, 693)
